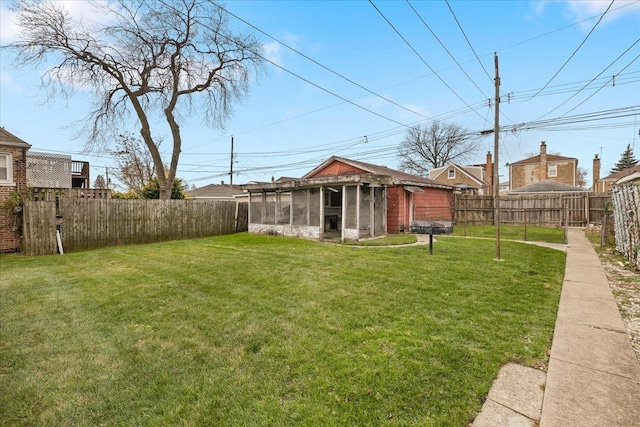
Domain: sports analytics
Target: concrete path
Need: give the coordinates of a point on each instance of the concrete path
(593, 377)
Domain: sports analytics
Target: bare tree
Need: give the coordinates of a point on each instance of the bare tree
(436, 145)
(158, 59)
(134, 162)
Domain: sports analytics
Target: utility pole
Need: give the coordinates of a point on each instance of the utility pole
(231, 164)
(496, 164)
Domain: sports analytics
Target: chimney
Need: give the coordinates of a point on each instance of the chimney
(596, 173)
(222, 182)
(488, 170)
(543, 161)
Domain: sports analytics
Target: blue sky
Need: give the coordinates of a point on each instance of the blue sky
(286, 125)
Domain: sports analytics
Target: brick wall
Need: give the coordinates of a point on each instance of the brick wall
(10, 221)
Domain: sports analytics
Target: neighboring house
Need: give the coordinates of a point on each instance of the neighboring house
(543, 167)
(50, 176)
(603, 185)
(220, 191)
(347, 199)
(472, 179)
(13, 182)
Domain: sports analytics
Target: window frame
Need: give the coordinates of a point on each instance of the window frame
(552, 171)
(9, 167)
(451, 175)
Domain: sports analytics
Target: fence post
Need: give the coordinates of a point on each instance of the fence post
(566, 223)
(603, 231)
(524, 220)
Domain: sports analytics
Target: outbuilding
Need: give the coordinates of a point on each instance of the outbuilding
(347, 200)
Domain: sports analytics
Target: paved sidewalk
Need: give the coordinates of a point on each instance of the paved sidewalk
(593, 377)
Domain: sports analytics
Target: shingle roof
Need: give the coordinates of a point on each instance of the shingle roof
(215, 191)
(617, 175)
(378, 170)
(547, 187)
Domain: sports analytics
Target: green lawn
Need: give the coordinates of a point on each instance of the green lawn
(512, 232)
(265, 331)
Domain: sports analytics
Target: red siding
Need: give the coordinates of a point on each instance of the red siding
(338, 168)
(434, 204)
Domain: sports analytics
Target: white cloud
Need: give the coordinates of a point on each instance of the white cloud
(583, 9)
(8, 28)
(273, 52)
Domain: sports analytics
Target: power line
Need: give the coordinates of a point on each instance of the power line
(591, 81)
(468, 42)
(445, 48)
(601, 87)
(422, 59)
(321, 65)
(574, 52)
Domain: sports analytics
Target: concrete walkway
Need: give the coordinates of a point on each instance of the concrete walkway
(593, 377)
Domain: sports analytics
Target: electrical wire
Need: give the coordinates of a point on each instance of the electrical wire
(467, 39)
(422, 59)
(446, 49)
(574, 52)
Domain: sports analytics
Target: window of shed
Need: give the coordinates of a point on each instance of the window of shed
(6, 173)
(553, 171)
(451, 173)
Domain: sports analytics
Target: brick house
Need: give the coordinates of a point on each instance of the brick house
(603, 185)
(346, 199)
(470, 179)
(13, 183)
(543, 167)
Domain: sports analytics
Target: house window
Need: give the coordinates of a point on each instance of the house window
(6, 171)
(553, 171)
(451, 174)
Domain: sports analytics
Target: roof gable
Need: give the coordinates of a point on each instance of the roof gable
(536, 159)
(465, 170)
(352, 167)
(8, 138)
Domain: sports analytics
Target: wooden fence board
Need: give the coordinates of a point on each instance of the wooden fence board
(542, 209)
(95, 223)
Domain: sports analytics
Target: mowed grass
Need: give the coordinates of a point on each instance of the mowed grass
(264, 331)
(512, 232)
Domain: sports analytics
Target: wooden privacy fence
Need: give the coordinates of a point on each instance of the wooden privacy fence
(96, 223)
(541, 209)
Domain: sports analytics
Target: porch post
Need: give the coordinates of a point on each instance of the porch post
(321, 213)
(308, 192)
(372, 214)
(411, 208)
(344, 212)
(291, 207)
(249, 210)
(358, 210)
(384, 203)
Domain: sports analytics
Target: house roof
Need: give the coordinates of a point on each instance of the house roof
(376, 174)
(617, 175)
(7, 138)
(466, 170)
(215, 191)
(374, 169)
(536, 159)
(547, 187)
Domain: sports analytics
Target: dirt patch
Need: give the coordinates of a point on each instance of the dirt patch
(624, 281)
